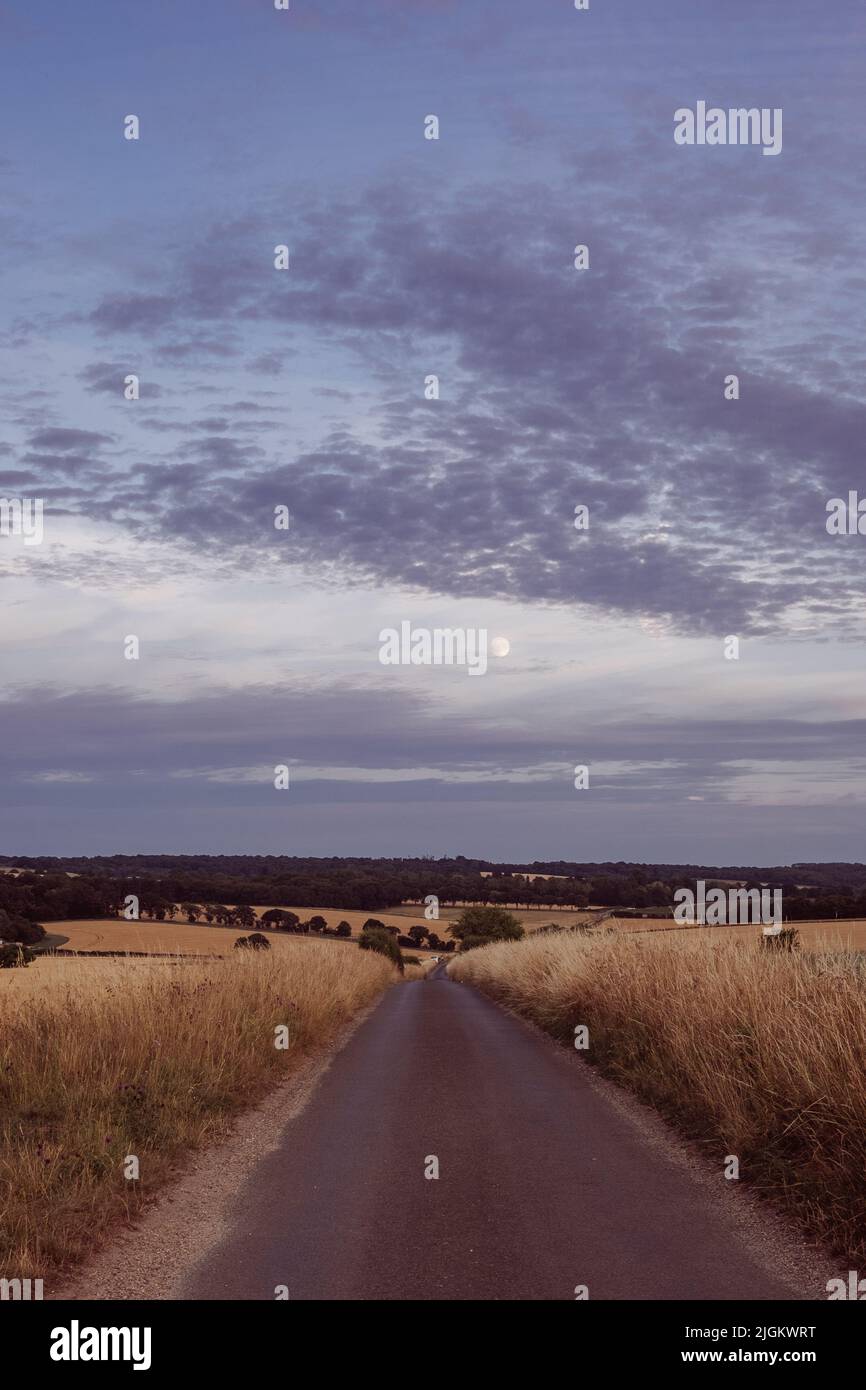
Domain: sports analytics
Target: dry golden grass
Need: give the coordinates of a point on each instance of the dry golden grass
(754, 1053)
(418, 972)
(836, 935)
(100, 1059)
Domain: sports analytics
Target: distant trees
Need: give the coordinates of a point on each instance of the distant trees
(156, 907)
(280, 919)
(191, 911)
(255, 942)
(373, 924)
(46, 889)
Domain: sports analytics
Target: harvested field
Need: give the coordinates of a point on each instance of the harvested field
(178, 936)
(162, 938)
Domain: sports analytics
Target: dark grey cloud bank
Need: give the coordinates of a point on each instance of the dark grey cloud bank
(152, 762)
(54, 738)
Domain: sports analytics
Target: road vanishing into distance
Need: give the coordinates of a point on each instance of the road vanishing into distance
(544, 1185)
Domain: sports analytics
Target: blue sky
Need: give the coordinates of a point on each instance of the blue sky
(305, 388)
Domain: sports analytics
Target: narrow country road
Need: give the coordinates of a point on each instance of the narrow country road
(543, 1185)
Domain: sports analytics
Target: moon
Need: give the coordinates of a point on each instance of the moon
(500, 646)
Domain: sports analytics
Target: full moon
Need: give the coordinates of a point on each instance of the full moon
(500, 646)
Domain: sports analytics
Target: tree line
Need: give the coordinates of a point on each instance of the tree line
(52, 889)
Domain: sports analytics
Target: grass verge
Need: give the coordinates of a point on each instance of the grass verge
(752, 1053)
(101, 1060)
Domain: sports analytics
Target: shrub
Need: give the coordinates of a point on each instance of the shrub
(280, 919)
(254, 942)
(471, 943)
(381, 940)
(18, 929)
(479, 924)
(14, 954)
(343, 929)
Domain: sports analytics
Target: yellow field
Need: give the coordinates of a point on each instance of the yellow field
(174, 938)
(179, 937)
(814, 936)
(182, 938)
(532, 918)
(563, 917)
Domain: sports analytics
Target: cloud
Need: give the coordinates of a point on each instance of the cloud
(175, 749)
(121, 313)
(66, 440)
(559, 387)
(108, 378)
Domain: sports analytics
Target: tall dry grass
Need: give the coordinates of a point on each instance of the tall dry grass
(101, 1059)
(419, 971)
(754, 1053)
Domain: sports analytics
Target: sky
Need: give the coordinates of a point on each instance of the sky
(307, 388)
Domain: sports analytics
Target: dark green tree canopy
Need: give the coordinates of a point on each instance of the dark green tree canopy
(476, 926)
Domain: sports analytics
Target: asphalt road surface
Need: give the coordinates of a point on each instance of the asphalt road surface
(543, 1185)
